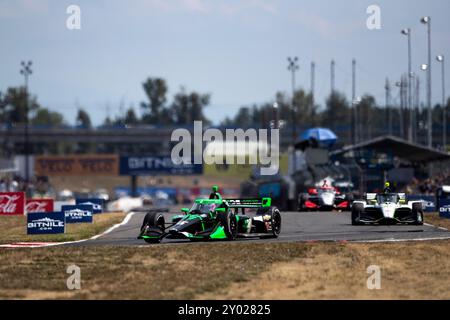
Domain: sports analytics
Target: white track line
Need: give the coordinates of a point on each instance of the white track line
(432, 225)
(52, 244)
(401, 240)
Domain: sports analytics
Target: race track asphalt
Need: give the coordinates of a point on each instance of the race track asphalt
(296, 226)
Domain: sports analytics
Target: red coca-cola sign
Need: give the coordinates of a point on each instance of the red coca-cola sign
(39, 205)
(12, 203)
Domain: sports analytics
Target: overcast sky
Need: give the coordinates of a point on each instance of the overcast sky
(234, 50)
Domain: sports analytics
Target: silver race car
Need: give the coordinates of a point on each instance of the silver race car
(387, 208)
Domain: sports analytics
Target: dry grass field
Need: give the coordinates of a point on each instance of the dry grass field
(224, 271)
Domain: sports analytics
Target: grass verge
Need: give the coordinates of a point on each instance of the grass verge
(434, 219)
(230, 271)
(13, 229)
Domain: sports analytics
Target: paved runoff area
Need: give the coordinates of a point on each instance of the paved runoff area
(296, 226)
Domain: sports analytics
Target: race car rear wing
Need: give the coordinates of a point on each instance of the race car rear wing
(249, 203)
(373, 196)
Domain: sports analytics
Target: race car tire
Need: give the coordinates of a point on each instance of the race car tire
(229, 224)
(417, 212)
(357, 210)
(156, 220)
(350, 199)
(301, 204)
(275, 218)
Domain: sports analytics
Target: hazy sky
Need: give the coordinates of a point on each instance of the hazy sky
(234, 50)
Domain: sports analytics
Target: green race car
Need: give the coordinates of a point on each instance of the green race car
(215, 219)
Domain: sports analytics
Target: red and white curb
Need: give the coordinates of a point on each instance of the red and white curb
(27, 244)
(52, 244)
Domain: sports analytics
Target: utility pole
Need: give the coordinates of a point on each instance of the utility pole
(441, 59)
(417, 105)
(293, 68)
(354, 119)
(407, 32)
(401, 86)
(26, 72)
(313, 81)
(387, 88)
(332, 75)
(427, 21)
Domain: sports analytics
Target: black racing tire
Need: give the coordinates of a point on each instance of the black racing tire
(155, 220)
(417, 212)
(301, 204)
(350, 199)
(357, 210)
(229, 223)
(275, 220)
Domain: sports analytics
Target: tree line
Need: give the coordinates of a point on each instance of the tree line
(338, 113)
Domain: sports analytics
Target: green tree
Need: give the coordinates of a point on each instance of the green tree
(46, 117)
(130, 117)
(305, 110)
(156, 90)
(83, 119)
(337, 112)
(367, 117)
(13, 105)
(107, 122)
(188, 107)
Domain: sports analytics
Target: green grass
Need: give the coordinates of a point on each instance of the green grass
(240, 171)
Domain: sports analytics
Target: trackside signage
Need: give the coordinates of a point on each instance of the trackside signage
(444, 208)
(428, 202)
(39, 205)
(12, 203)
(152, 165)
(74, 165)
(46, 223)
(97, 204)
(78, 214)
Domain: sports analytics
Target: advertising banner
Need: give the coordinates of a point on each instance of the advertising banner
(39, 205)
(444, 208)
(46, 223)
(12, 203)
(154, 165)
(92, 165)
(97, 204)
(78, 214)
(428, 202)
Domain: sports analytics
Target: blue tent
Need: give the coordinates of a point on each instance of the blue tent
(322, 135)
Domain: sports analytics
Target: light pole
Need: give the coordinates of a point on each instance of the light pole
(387, 87)
(407, 32)
(427, 20)
(355, 102)
(293, 68)
(424, 68)
(26, 72)
(402, 85)
(275, 115)
(441, 59)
